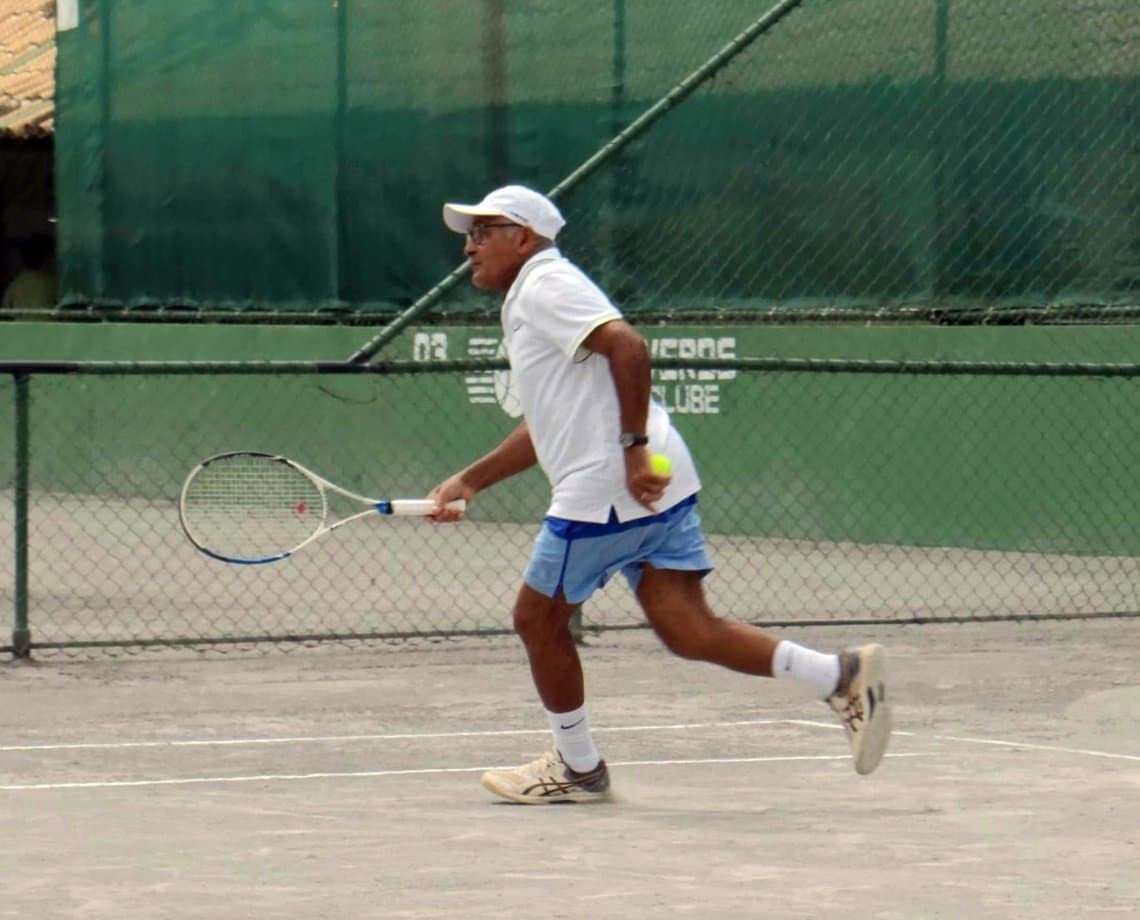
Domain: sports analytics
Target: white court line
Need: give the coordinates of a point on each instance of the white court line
(1038, 747)
(405, 736)
(427, 771)
(997, 742)
(683, 726)
(491, 733)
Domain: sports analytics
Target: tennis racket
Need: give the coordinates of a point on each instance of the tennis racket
(251, 508)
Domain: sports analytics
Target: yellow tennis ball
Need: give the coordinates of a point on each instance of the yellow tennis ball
(660, 465)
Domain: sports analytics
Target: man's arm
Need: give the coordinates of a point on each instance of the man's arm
(628, 356)
(514, 454)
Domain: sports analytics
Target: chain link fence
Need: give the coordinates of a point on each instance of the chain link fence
(857, 491)
(917, 163)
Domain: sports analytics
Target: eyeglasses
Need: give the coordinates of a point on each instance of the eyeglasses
(478, 233)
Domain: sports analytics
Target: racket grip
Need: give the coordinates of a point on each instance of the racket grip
(420, 507)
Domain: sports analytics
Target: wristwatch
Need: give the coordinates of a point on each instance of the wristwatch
(629, 439)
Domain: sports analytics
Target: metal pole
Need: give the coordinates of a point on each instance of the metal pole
(617, 98)
(105, 94)
(21, 634)
(336, 254)
(942, 134)
(613, 209)
(577, 629)
(496, 78)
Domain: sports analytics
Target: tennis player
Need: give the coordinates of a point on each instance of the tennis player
(583, 377)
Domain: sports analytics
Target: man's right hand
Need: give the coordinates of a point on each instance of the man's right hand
(448, 491)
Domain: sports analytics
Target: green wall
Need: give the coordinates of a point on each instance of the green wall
(1032, 463)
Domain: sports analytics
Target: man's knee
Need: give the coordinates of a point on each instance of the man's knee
(537, 617)
(527, 621)
(675, 605)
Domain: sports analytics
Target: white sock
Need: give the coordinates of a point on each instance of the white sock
(807, 665)
(573, 740)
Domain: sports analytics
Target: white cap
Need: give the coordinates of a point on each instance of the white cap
(516, 203)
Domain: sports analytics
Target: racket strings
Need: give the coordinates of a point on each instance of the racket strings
(251, 507)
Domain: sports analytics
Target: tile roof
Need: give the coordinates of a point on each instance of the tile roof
(27, 66)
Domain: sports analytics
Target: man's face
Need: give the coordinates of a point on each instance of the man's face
(496, 249)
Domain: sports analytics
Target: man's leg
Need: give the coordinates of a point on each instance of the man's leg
(573, 772)
(675, 605)
(854, 683)
(543, 624)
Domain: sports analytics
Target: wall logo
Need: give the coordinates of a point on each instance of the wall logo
(494, 386)
(683, 392)
(691, 391)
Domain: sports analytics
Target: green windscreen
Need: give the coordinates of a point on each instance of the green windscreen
(898, 154)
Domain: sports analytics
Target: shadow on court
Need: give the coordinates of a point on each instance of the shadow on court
(344, 783)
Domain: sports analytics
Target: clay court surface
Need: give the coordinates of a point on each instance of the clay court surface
(343, 782)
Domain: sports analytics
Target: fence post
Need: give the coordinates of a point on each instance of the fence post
(21, 634)
(942, 134)
(577, 630)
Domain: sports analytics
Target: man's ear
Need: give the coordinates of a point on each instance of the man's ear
(527, 239)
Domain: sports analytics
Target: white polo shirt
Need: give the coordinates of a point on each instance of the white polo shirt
(568, 397)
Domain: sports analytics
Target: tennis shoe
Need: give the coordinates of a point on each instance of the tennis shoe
(860, 701)
(549, 780)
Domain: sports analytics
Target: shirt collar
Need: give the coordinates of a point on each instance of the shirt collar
(549, 254)
(543, 255)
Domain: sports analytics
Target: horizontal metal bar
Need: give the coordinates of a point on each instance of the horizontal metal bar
(764, 365)
(202, 367)
(283, 638)
(396, 635)
(824, 312)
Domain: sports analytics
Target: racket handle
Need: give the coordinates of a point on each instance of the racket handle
(418, 507)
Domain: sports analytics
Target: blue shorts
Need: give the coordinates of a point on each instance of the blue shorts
(578, 558)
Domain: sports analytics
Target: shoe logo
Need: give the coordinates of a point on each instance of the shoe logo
(572, 724)
(850, 711)
(594, 783)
